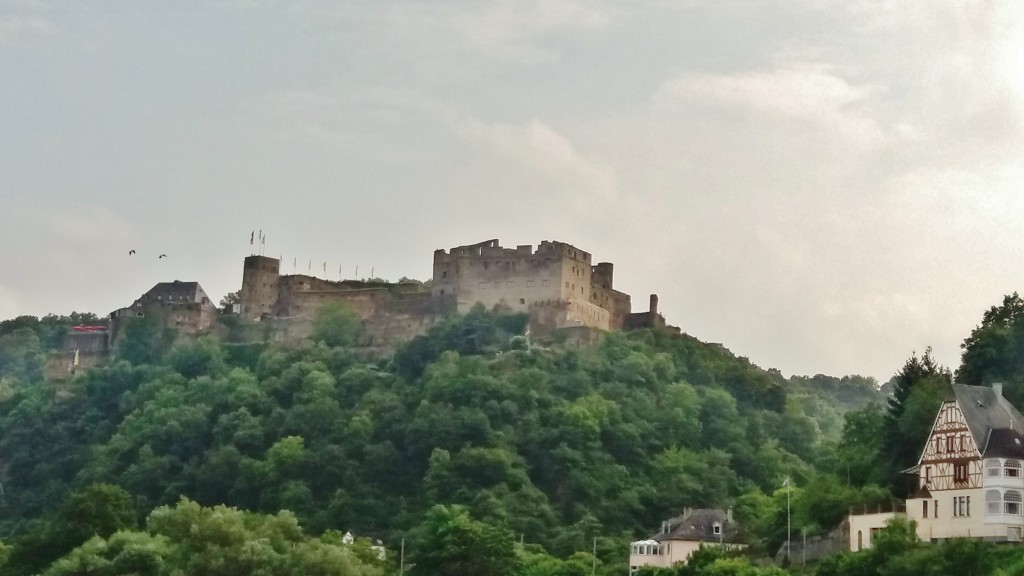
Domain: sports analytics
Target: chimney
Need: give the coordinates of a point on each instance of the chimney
(997, 387)
(654, 304)
(728, 514)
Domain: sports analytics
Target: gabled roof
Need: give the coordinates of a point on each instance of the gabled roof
(994, 423)
(698, 525)
(174, 292)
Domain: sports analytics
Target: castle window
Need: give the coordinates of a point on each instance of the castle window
(487, 265)
(497, 284)
(483, 285)
(522, 300)
(444, 274)
(545, 283)
(530, 283)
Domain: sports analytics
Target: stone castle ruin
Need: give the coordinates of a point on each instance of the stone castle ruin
(556, 284)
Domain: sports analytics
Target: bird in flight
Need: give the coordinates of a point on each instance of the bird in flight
(161, 256)
(131, 252)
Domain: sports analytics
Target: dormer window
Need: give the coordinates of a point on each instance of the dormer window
(717, 528)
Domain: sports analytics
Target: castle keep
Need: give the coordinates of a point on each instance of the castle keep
(557, 284)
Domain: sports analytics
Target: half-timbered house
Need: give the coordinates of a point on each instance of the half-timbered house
(968, 479)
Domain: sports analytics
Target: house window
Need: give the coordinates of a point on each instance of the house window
(992, 468)
(927, 474)
(924, 509)
(992, 501)
(935, 509)
(1012, 468)
(960, 472)
(1011, 502)
(949, 443)
(961, 506)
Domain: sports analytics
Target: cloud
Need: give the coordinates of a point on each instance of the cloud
(89, 226)
(811, 93)
(514, 28)
(536, 147)
(22, 20)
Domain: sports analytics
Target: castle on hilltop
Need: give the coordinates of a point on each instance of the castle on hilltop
(556, 284)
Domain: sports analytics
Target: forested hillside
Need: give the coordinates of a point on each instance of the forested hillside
(470, 426)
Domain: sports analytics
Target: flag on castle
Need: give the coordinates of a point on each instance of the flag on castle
(251, 236)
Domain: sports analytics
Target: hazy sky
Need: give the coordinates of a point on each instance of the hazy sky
(820, 186)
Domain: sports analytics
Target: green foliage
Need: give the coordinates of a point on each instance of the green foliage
(451, 543)
(992, 352)
(146, 339)
(557, 446)
(918, 390)
(336, 325)
(218, 541)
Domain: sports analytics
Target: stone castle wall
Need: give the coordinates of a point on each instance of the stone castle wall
(555, 283)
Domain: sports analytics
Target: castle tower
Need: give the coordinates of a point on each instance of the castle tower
(260, 277)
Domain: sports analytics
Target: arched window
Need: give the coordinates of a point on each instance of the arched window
(860, 540)
(1012, 469)
(992, 502)
(1011, 502)
(992, 468)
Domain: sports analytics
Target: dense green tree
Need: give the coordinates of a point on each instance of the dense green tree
(219, 541)
(146, 340)
(919, 387)
(449, 542)
(557, 445)
(993, 351)
(336, 324)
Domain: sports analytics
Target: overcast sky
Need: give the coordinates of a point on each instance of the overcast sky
(820, 186)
